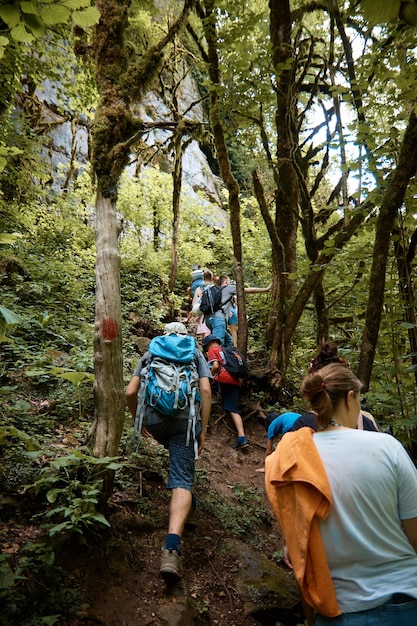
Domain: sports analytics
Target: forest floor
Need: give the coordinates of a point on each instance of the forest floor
(115, 578)
(120, 580)
(112, 578)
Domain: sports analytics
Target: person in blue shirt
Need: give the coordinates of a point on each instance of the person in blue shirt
(197, 278)
(277, 425)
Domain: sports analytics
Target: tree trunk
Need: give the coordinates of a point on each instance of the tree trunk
(226, 171)
(115, 131)
(287, 197)
(391, 202)
(322, 332)
(405, 256)
(316, 275)
(109, 400)
(176, 198)
(111, 127)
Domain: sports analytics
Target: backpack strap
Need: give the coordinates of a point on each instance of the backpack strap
(192, 419)
(225, 302)
(140, 411)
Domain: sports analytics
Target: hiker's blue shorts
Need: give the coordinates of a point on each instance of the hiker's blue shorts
(230, 398)
(388, 614)
(233, 318)
(171, 432)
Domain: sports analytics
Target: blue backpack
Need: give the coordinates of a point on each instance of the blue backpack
(197, 280)
(169, 380)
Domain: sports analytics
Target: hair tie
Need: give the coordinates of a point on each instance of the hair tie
(322, 386)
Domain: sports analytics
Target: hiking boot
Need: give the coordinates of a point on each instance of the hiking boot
(170, 569)
(241, 443)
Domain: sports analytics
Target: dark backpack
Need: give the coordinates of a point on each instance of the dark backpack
(234, 362)
(211, 300)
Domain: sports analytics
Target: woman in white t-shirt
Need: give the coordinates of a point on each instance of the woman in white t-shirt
(369, 532)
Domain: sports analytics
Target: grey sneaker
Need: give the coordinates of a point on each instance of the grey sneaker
(170, 569)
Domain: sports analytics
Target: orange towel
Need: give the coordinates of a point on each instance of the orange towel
(299, 492)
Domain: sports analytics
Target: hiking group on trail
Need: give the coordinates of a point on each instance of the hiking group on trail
(214, 303)
(344, 493)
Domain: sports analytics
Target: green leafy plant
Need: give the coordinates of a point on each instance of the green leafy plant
(10, 431)
(76, 378)
(31, 589)
(200, 604)
(72, 485)
(7, 318)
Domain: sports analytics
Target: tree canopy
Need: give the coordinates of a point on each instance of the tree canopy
(305, 113)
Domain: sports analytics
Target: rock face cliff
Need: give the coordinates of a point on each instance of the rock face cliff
(68, 135)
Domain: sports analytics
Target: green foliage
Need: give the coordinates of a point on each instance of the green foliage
(378, 12)
(31, 589)
(27, 21)
(10, 431)
(145, 203)
(72, 485)
(7, 318)
(240, 514)
(79, 379)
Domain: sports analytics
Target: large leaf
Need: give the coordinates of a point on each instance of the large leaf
(8, 238)
(19, 33)
(29, 7)
(3, 43)
(379, 12)
(10, 317)
(8, 577)
(86, 18)
(75, 5)
(55, 14)
(10, 15)
(35, 25)
(76, 377)
(30, 443)
(99, 517)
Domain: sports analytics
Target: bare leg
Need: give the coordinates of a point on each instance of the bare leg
(238, 422)
(233, 332)
(179, 508)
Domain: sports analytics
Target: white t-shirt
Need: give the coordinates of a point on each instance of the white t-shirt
(374, 486)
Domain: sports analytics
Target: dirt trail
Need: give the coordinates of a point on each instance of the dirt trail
(120, 579)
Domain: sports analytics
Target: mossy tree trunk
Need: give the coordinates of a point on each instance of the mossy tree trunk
(209, 24)
(287, 195)
(120, 81)
(109, 158)
(392, 201)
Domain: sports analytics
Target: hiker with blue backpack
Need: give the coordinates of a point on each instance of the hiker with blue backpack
(169, 397)
(227, 367)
